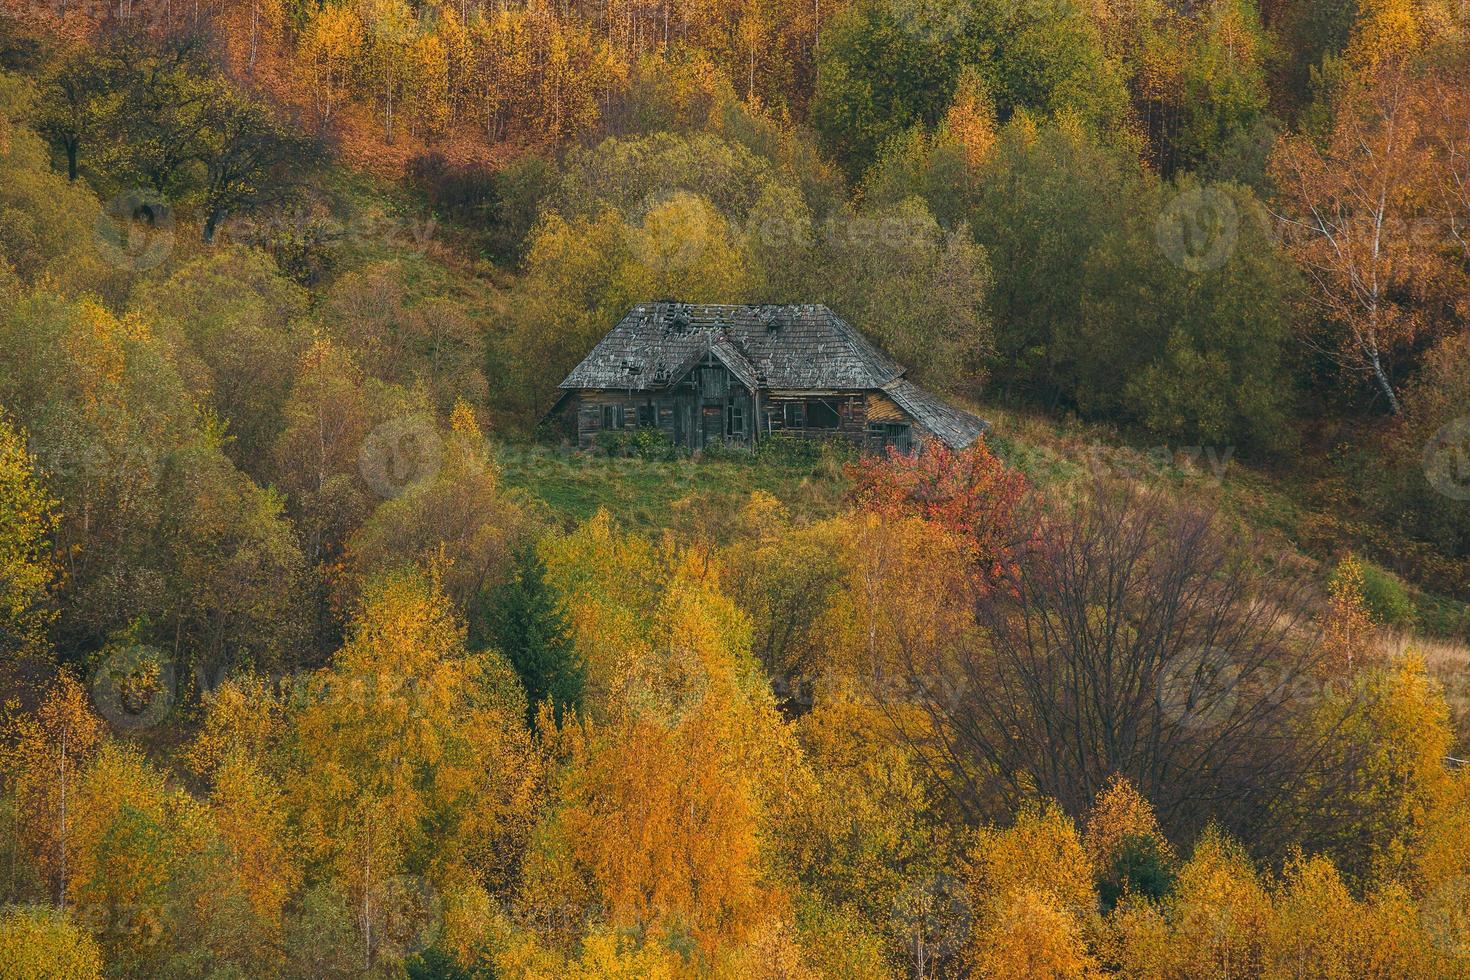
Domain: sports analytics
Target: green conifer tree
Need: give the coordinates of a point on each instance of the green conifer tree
(524, 618)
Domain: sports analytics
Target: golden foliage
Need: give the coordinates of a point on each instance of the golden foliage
(37, 943)
(970, 121)
(249, 811)
(1042, 852)
(245, 718)
(28, 516)
(44, 758)
(772, 952)
(1385, 30)
(119, 857)
(1218, 913)
(664, 827)
(1388, 759)
(1120, 815)
(1352, 206)
(1348, 632)
(1032, 897)
(664, 797)
(616, 956)
(902, 607)
(1317, 921)
(1029, 936)
(860, 832)
(400, 738)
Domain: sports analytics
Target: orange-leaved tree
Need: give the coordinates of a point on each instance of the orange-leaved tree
(667, 789)
(969, 492)
(43, 758)
(1354, 210)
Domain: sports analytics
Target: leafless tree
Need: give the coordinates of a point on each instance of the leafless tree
(1135, 637)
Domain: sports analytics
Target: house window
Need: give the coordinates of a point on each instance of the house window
(645, 416)
(612, 416)
(821, 415)
(735, 419)
(791, 415)
(896, 434)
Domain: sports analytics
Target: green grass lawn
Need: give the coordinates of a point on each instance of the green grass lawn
(647, 494)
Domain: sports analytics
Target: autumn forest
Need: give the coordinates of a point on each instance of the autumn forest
(325, 653)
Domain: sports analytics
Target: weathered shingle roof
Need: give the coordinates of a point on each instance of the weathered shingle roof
(796, 347)
(955, 427)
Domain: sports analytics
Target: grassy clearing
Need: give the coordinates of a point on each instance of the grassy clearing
(653, 494)
(378, 219)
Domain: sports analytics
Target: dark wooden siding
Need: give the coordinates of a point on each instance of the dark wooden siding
(889, 425)
(811, 416)
(869, 420)
(709, 405)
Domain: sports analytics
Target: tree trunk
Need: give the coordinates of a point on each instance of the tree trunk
(367, 912)
(61, 836)
(388, 109)
(1381, 380)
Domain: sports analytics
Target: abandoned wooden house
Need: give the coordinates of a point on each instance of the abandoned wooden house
(734, 375)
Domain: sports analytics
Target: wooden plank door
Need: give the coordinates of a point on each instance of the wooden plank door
(712, 424)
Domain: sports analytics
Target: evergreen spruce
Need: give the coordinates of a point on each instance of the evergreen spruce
(525, 620)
